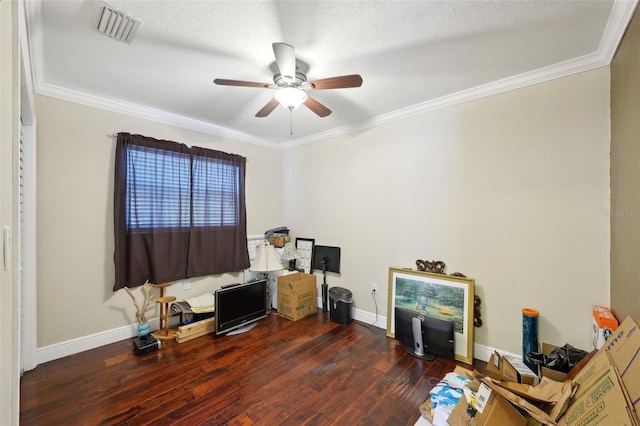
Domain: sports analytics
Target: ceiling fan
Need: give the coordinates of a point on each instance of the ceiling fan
(291, 86)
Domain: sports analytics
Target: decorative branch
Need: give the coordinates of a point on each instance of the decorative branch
(147, 298)
(141, 312)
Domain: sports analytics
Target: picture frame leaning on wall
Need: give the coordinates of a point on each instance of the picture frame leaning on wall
(438, 295)
(304, 248)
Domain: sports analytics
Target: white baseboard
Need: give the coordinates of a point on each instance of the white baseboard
(92, 341)
(80, 344)
(480, 352)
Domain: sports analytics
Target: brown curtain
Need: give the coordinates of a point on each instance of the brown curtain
(218, 240)
(156, 238)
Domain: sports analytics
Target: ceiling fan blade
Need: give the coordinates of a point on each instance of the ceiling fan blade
(342, 82)
(240, 83)
(268, 108)
(317, 107)
(286, 60)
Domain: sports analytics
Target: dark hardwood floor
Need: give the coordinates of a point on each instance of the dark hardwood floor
(312, 371)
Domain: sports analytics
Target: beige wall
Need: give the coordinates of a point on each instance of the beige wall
(625, 174)
(511, 190)
(75, 214)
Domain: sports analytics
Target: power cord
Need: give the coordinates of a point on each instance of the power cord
(373, 296)
(369, 325)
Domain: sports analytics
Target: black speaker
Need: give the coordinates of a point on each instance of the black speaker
(145, 344)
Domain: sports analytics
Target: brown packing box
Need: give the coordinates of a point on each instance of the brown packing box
(493, 367)
(497, 411)
(510, 369)
(557, 399)
(550, 396)
(297, 295)
(541, 404)
(601, 399)
(624, 348)
(558, 376)
(279, 240)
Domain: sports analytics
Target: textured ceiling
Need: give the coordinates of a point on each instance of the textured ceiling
(412, 56)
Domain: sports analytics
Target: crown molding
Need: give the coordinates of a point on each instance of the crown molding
(619, 18)
(553, 72)
(148, 113)
(621, 13)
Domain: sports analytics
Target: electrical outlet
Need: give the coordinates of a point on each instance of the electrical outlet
(187, 284)
(374, 288)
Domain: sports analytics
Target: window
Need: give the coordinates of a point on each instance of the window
(158, 188)
(215, 193)
(179, 212)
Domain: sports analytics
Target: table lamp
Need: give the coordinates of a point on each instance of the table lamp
(266, 261)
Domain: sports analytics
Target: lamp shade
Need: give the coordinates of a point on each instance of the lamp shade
(266, 259)
(291, 97)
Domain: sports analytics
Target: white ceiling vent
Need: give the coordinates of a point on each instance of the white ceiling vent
(114, 23)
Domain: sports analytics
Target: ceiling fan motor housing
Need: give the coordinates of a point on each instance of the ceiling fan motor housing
(280, 81)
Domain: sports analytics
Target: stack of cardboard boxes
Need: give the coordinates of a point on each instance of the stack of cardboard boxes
(606, 391)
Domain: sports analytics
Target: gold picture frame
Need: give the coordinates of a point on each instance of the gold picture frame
(442, 296)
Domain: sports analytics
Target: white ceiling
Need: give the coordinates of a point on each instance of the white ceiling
(412, 55)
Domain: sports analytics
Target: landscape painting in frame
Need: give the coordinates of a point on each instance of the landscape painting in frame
(442, 296)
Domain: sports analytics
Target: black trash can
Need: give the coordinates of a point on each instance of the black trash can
(340, 301)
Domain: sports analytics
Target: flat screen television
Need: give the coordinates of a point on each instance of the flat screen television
(238, 307)
(326, 257)
(437, 334)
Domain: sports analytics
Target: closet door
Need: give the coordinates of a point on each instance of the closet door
(21, 244)
(26, 236)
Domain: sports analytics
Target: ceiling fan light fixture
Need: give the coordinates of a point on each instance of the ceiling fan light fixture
(291, 97)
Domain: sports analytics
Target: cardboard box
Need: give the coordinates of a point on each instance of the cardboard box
(297, 296)
(545, 403)
(279, 240)
(624, 349)
(510, 368)
(493, 367)
(601, 398)
(496, 410)
(550, 396)
(604, 323)
(556, 375)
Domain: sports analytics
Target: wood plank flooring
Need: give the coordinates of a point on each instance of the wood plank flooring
(308, 372)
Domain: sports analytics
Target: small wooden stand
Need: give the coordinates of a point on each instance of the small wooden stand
(196, 329)
(164, 332)
(161, 286)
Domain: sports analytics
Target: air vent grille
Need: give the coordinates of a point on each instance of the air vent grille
(116, 24)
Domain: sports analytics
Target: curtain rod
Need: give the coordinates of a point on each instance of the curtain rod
(115, 135)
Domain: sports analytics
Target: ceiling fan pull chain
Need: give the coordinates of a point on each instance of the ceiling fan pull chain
(291, 122)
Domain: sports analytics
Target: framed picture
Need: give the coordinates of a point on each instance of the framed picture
(438, 295)
(304, 247)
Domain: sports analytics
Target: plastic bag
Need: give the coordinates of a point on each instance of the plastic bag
(560, 359)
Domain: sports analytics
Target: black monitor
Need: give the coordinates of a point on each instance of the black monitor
(437, 333)
(238, 307)
(326, 258)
